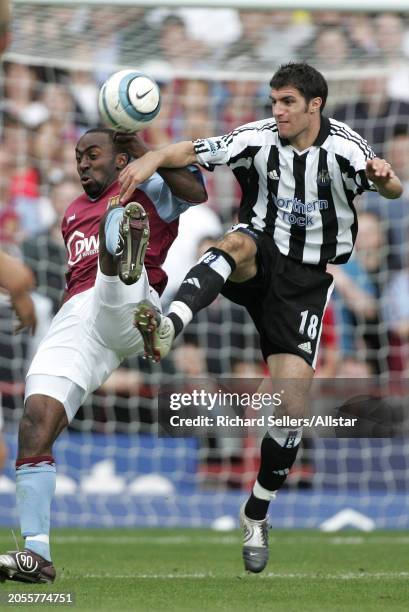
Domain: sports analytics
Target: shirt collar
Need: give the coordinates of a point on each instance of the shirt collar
(323, 134)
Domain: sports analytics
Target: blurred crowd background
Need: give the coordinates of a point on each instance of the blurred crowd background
(213, 67)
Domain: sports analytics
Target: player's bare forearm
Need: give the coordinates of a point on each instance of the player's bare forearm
(181, 181)
(379, 171)
(18, 280)
(15, 276)
(177, 155)
(23, 306)
(184, 184)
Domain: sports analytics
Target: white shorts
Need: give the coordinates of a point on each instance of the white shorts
(91, 334)
(65, 391)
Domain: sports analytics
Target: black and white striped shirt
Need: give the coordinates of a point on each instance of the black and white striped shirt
(304, 200)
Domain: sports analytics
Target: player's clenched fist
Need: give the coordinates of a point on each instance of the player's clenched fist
(379, 171)
(379, 168)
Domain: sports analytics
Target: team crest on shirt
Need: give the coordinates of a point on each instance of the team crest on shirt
(114, 201)
(214, 146)
(323, 178)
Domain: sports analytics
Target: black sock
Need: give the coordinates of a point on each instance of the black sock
(177, 322)
(255, 508)
(203, 283)
(275, 465)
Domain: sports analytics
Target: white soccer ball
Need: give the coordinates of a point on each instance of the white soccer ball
(129, 101)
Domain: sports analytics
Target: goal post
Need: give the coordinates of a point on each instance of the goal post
(369, 6)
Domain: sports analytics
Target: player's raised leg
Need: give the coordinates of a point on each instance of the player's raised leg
(124, 237)
(43, 419)
(233, 257)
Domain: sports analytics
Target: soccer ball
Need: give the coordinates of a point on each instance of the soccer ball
(129, 101)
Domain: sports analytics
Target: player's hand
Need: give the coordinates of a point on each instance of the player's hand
(379, 170)
(132, 143)
(24, 308)
(136, 173)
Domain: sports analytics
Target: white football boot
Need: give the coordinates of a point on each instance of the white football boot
(255, 543)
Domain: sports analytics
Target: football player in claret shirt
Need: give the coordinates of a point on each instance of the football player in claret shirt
(93, 331)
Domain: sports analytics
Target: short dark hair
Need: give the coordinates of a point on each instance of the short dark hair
(309, 82)
(117, 147)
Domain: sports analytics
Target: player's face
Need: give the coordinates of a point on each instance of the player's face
(96, 163)
(292, 113)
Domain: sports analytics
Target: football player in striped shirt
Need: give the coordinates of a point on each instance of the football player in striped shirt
(299, 172)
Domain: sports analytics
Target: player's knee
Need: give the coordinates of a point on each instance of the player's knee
(239, 246)
(34, 433)
(40, 425)
(33, 439)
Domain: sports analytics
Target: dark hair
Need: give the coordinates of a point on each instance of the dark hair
(117, 147)
(309, 82)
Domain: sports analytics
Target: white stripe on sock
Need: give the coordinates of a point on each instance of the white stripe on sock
(282, 434)
(219, 264)
(42, 537)
(262, 493)
(182, 311)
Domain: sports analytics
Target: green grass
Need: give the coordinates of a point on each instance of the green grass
(174, 569)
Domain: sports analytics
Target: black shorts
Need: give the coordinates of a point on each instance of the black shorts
(286, 300)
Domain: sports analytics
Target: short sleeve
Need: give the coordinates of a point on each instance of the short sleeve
(359, 153)
(211, 152)
(168, 206)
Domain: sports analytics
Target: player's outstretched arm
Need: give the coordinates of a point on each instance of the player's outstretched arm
(17, 280)
(184, 184)
(170, 160)
(379, 171)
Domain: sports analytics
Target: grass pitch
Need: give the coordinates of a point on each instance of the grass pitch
(181, 569)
